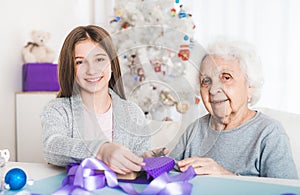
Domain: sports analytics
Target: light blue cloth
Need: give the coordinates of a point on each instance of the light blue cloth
(201, 185)
(258, 147)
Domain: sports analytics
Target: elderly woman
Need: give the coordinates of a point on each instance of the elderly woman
(233, 139)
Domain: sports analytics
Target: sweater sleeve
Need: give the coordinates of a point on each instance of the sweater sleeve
(182, 148)
(276, 156)
(141, 133)
(60, 146)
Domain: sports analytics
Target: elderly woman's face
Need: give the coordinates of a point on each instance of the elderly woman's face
(223, 87)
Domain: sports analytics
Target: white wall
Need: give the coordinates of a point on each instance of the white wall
(272, 26)
(18, 19)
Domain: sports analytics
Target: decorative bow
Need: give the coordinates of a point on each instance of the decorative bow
(92, 174)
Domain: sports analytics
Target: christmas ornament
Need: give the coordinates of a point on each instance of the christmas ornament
(173, 12)
(169, 100)
(15, 178)
(140, 74)
(186, 37)
(197, 100)
(182, 13)
(157, 65)
(182, 106)
(184, 52)
(132, 64)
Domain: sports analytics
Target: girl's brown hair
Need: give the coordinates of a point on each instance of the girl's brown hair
(66, 62)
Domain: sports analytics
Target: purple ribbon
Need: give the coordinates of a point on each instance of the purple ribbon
(93, 174)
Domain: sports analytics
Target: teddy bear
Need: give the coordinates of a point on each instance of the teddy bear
(37, 51)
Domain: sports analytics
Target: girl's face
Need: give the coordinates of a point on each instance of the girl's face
(92, 67)
(223, 87)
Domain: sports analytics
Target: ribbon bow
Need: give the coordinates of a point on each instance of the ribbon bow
(92, 174)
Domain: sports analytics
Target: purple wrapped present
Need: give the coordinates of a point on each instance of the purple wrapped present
(154, 167)
(158, 165)
(40, 77)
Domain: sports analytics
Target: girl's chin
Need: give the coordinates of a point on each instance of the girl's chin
(96, 89)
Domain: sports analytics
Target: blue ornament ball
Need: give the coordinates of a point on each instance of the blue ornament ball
(16, 178)
(186, 37)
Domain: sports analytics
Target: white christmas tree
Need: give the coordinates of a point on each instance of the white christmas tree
(154, 39)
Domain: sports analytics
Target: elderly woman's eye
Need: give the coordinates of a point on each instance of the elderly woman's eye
(226, 77)
(205, 81)
(99, 60)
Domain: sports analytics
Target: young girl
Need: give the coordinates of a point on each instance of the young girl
(90, 116)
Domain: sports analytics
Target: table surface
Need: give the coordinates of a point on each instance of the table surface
(47, 178)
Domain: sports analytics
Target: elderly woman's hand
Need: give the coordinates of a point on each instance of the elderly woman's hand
(203, 166)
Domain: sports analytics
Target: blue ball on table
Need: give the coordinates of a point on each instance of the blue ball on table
(16, 178)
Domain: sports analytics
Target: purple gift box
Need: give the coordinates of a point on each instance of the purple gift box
(40, 77)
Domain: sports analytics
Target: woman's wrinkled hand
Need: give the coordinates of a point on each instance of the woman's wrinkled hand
(203, 166)
(119, 158)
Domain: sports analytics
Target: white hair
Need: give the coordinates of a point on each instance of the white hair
(250, 62)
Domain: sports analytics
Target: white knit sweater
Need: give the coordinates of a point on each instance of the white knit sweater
(62, 121)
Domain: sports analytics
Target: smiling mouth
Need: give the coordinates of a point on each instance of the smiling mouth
(92, 80)
(218, 101)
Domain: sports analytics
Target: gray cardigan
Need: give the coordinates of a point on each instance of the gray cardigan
(258, 147)
(62, 121)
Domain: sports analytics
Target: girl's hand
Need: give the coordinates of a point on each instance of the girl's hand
(203, 166)
(119, 158)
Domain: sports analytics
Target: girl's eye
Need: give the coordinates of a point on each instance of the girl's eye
(78, 62)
